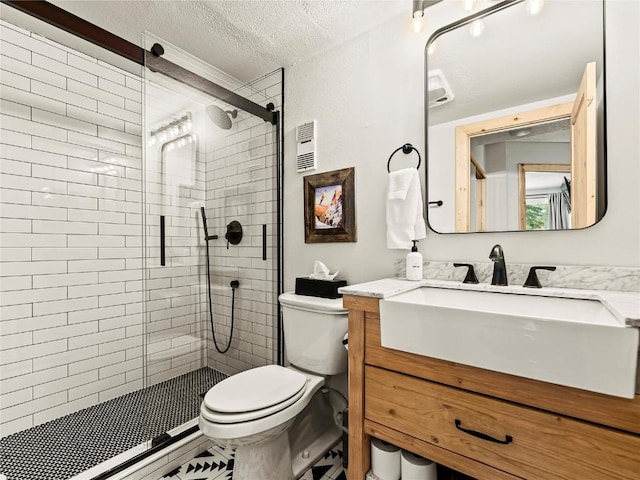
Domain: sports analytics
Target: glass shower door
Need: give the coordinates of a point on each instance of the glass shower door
(203, 155)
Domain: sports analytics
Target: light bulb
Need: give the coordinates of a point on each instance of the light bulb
(477, 27)
(469, 5)
(534, 7)
(417, 20)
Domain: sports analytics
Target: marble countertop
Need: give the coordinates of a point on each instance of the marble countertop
(624, 305)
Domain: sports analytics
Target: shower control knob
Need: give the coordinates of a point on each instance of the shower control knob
(234, 233)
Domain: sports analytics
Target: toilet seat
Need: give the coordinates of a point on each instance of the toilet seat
(219, 417)
(253, 394)
(263, 419)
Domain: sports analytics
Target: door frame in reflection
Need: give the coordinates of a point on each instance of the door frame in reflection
(523, 169)
(463, 136)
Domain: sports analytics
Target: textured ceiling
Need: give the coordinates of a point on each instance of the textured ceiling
(246, 39)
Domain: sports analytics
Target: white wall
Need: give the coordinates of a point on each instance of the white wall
(367, 96)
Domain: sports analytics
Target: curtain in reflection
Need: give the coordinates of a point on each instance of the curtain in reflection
(559, 217)
(566, 193)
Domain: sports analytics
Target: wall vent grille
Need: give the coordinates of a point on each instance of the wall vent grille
(306, 158)
(305, 132)
(306, 162)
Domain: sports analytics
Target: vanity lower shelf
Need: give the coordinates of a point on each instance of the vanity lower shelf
(522, 441)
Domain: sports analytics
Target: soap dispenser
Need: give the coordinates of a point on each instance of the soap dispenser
(414, 263)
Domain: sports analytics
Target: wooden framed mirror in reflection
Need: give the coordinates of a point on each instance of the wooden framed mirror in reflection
(516, 119)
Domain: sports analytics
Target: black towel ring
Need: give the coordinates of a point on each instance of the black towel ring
(407, 148)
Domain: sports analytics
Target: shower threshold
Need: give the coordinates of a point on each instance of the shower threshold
(134, 459)
(95, 438)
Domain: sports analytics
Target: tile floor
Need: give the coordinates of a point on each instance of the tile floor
(81, 440)
(217, 464)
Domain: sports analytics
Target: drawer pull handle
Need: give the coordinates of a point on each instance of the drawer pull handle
(508, 439)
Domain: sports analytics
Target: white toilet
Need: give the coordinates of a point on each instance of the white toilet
(253, 410)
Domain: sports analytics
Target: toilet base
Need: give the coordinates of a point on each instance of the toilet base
(313, 433)
(267, 461)
(315, 451)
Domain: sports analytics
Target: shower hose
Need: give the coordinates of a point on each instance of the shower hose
(234, 284)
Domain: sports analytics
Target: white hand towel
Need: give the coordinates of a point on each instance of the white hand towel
(405, 220)
(399, 183)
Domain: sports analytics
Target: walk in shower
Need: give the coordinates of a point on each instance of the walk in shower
(105, 342)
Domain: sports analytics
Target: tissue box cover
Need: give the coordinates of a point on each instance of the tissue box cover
(319, 288)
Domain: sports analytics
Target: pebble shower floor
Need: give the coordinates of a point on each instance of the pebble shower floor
(69, 445)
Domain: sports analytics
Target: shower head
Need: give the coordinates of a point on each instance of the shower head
(220, 117)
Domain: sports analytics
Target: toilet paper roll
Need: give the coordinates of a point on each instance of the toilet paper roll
(415, 467)
(385, 460)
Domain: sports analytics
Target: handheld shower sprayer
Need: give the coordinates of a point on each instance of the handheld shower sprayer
(207, 237)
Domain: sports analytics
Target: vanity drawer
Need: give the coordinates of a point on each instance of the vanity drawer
(525, 442)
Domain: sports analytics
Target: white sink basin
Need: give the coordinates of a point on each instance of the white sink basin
(577, 343)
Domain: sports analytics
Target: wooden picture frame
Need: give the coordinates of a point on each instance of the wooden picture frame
(329, 207)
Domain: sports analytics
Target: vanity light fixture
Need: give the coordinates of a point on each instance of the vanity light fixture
(476, 28)
(534, 7)
(179, 142)
(418, 16)
(173, 129)
(418, 13)
(469, 6)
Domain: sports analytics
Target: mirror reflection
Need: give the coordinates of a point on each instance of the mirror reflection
(516, 119)
(545, 196)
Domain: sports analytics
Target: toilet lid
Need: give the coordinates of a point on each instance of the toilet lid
(217, 417)
(254, 389)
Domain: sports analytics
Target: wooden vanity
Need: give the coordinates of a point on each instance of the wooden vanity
(482, 423)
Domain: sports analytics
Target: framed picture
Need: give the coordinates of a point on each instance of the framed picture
(329, 207)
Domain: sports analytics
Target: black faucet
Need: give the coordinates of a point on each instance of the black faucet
(499, 267)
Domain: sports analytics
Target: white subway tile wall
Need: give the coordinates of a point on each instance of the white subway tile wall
(241, 182)
(71, 256)
(77, 260)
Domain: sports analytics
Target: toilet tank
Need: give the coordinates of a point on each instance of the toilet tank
(313, 331)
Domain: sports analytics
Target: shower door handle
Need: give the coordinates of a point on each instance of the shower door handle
(264, 242)
(162, 254)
